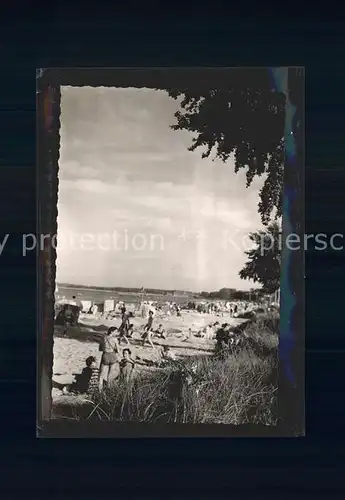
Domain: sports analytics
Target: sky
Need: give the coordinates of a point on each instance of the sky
(136, 208)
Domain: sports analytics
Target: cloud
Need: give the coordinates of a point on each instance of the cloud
(73, 169)
(221, 211)
(94, 186)
(123, 168)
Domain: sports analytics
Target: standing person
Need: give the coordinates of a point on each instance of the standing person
(130, 331)
(147, 335)
(149, 323)
(123, 335)
(110, 348)
(208, 332)
(187, 337)
(126, 366)
(68, 316)
(124, 327)
(125, 321)
(190, 334)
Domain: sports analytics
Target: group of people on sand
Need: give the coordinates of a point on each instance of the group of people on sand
(126, 329)
(93, 378)
(113, 367)
(117, 363)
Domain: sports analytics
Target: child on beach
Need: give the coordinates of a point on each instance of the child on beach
(168, 353)
(94, 379)
(86, 381)
(167, 356)
(160, 332)
(127, 365)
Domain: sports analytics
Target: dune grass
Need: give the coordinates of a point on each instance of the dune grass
(237, 390)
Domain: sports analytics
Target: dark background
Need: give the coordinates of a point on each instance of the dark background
(304, 466)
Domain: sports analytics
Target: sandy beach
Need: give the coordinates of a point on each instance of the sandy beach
(70, 353)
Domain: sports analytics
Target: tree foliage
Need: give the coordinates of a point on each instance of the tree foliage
(232, 294)
(243, 117)
(222, 294)
(264, 259)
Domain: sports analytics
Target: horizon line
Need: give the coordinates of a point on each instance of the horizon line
(148, 288)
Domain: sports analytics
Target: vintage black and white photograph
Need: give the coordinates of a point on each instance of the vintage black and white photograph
(168, 253)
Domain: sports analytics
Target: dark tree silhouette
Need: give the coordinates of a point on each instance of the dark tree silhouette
(264, 259)
(245, 117)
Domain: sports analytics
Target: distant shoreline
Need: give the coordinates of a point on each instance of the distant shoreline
(169, 294)
(127, 291)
